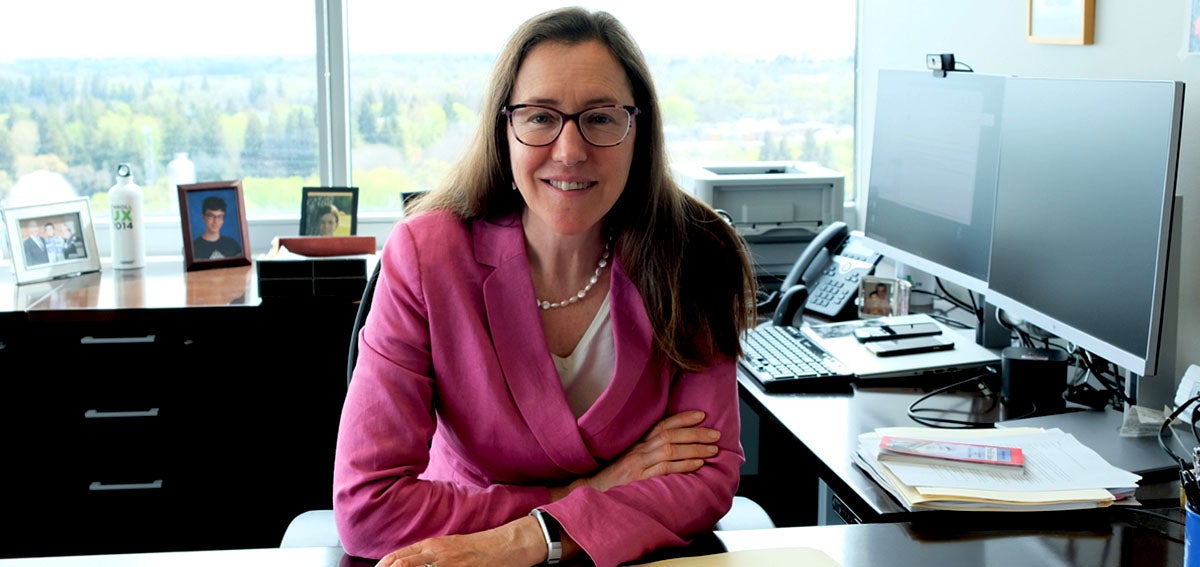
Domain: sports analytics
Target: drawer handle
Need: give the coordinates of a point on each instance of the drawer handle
(90, 340)
(96, 486)
(97, 414)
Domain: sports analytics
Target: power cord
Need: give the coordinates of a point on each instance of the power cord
(948, 423)
(1166, 426)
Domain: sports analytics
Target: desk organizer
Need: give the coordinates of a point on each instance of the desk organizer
(333, 276)
(311, 267)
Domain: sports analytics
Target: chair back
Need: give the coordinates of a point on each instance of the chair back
(359, 318)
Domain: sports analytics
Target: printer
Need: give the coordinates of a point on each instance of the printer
(776, 206)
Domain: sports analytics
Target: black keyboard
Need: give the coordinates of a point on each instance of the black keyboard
(784, 360)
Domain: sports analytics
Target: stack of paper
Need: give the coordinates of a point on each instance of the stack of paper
(1060, 473)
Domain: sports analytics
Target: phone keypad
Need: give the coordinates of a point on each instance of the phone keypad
(837, 285)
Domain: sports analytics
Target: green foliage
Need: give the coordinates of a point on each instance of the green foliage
(253, 118)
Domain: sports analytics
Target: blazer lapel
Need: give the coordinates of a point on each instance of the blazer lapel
(633, 338)
(521, 346)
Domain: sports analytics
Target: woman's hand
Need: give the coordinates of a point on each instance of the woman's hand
(518, 543)
(675, 445)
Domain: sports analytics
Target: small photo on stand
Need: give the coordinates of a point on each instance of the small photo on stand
(51, 240)
(329, 211)
(882, 297)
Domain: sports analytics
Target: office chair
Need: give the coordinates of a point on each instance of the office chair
(316, 528)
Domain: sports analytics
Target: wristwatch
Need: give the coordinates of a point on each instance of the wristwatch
(553, 533)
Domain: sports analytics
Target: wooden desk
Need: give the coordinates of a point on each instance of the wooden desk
(163, 410)
(163, 283)
(1114, 543)
(1102, 544)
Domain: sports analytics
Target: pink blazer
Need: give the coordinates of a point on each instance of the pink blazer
(456, 420)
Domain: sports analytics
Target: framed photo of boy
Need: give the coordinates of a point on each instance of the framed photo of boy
(213, 217)
(329, 211)
(51, 240)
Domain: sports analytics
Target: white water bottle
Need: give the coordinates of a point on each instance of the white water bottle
(128, 224)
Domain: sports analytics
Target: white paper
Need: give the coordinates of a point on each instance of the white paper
(1054, 460)
(1189, 385)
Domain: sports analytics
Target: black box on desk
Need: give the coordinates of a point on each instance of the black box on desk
(297, 278)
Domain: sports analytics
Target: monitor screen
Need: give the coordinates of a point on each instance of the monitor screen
(932, 182)
(1083, 211)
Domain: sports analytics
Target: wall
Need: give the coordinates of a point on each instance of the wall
(1133, 40)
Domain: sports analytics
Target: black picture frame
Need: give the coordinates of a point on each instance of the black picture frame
(232, 245)
(317, 204)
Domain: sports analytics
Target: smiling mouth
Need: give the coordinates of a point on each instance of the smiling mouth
(570, 185)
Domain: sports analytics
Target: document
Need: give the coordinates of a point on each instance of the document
(1054, 460)
(1060, 473)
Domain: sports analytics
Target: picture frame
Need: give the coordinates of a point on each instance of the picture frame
(1067, 22)
(408, 197)
(213, 238)
(882, 297)
(51, 240)
(329, 211)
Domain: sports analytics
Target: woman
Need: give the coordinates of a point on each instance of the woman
(555, 329)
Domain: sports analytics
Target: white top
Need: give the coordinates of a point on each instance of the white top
(588, 370)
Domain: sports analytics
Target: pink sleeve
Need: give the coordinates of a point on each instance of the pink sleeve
(386, 427)
(627, 522)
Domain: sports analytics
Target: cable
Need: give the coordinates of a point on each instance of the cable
(913, 410)
(966, 68)
(949, 297)
(948, 321)
(1166, 425)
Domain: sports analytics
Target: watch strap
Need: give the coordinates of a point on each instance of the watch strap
(552, 531)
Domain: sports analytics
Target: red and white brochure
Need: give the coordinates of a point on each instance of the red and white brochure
(954, 451)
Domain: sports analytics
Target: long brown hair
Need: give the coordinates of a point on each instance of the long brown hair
(688, 264)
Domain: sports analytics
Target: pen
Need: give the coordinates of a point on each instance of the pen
(1190, 490)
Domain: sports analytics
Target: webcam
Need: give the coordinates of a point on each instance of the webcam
(940, 63)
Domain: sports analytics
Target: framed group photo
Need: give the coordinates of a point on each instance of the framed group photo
(51, 240)
(329, 211)
(213, 217)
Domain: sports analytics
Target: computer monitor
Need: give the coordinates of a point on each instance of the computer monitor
(1084, 204)
(934, 162)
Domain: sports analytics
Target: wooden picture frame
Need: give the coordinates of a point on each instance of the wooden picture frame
(51, 240)
(1067, 22)
(329, 211)
(212, 237)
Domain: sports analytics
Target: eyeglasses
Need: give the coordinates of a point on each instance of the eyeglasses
(214, 216)
(601, 126)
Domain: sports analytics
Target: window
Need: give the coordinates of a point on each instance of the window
(229, 89)
(756, 80)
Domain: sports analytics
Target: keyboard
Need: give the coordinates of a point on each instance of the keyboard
(784, 360)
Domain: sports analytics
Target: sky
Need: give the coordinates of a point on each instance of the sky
(155, 28)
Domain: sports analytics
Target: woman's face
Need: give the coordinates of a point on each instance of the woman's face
(569, 185)
(327, 224)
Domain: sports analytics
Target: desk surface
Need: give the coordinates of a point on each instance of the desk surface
(826, 428)
(163, 283)
(1105, 544)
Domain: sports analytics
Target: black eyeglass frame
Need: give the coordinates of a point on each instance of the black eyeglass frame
(633, 111)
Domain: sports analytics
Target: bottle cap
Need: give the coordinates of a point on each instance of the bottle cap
(123, 170)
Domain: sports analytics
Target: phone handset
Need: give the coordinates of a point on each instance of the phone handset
(795, 288)
(826, 276)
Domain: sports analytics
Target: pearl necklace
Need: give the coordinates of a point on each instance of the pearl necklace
(583, 292)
